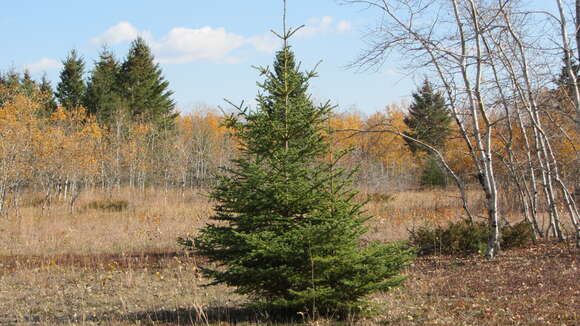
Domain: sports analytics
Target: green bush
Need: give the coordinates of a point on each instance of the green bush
(108, 205)
(465, 238)
(517, 235)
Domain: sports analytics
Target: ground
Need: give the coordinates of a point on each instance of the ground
(124, 268)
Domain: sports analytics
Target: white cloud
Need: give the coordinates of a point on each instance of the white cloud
(266, 43)
(121, 32)
(343, 26)
(322, 25)
(183, 44)
(316, 26)
(391, 72)
(43, 64)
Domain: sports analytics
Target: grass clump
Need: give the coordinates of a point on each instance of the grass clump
(108, 205)
(381, 197)
(466, 238)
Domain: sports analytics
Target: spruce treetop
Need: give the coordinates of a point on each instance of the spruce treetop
(428, 118)
(102, 99)
(144, 87)
(70, 91)
(47, 93)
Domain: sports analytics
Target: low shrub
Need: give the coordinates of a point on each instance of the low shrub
(108, 205)
(517, 235)
(465, 238)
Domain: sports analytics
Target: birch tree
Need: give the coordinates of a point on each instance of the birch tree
(487, 59)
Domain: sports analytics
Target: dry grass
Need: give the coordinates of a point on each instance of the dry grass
(152, 221)
(120, 267)
(398, 212)
(532, 286)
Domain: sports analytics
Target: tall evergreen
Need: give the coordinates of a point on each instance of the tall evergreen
(287, 228)
(428, 119)
(563, 81)
(28, 85)
(11, 79)
(102, 96)
(9, 85)
(144, 88)
(71, 88)
(47, 94)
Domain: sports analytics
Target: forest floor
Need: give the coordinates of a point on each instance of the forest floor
(124, 268)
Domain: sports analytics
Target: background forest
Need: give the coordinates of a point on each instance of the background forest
(118, 127)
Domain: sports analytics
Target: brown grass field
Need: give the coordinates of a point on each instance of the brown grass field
(105, 267)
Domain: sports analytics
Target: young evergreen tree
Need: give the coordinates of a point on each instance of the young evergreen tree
(71, 88)
(12, 79)
(563, 81)
(47, 94)
(9, 85)
(144, 88)
(288, 229)
(28, 85)
(102, 97)
(429, 121)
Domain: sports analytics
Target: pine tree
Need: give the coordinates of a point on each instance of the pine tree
(70, 91)
(9, 86)
(47, 93)
(144, 88)
(428, 119)
(102, 96)
(11, 79)
(28, 85)
(287, 228)
(563, 81)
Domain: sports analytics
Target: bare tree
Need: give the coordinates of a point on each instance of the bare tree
(487, 61)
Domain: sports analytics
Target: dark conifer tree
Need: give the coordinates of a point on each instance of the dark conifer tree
(428, 119)
(28, 85)
(12, 79)
(287, 229)
(102, 96)
(47, 94)
(71, 88)
(144, 89)
(563, 81)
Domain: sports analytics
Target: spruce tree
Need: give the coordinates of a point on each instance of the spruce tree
(28, 85)
(563, 81)
(9, 85)
(102, 96)
(70, 90)
(429, 121)
(286, 229)
(47, 94)
(144, 88)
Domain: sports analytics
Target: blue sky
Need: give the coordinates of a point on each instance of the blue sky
(206, 48)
